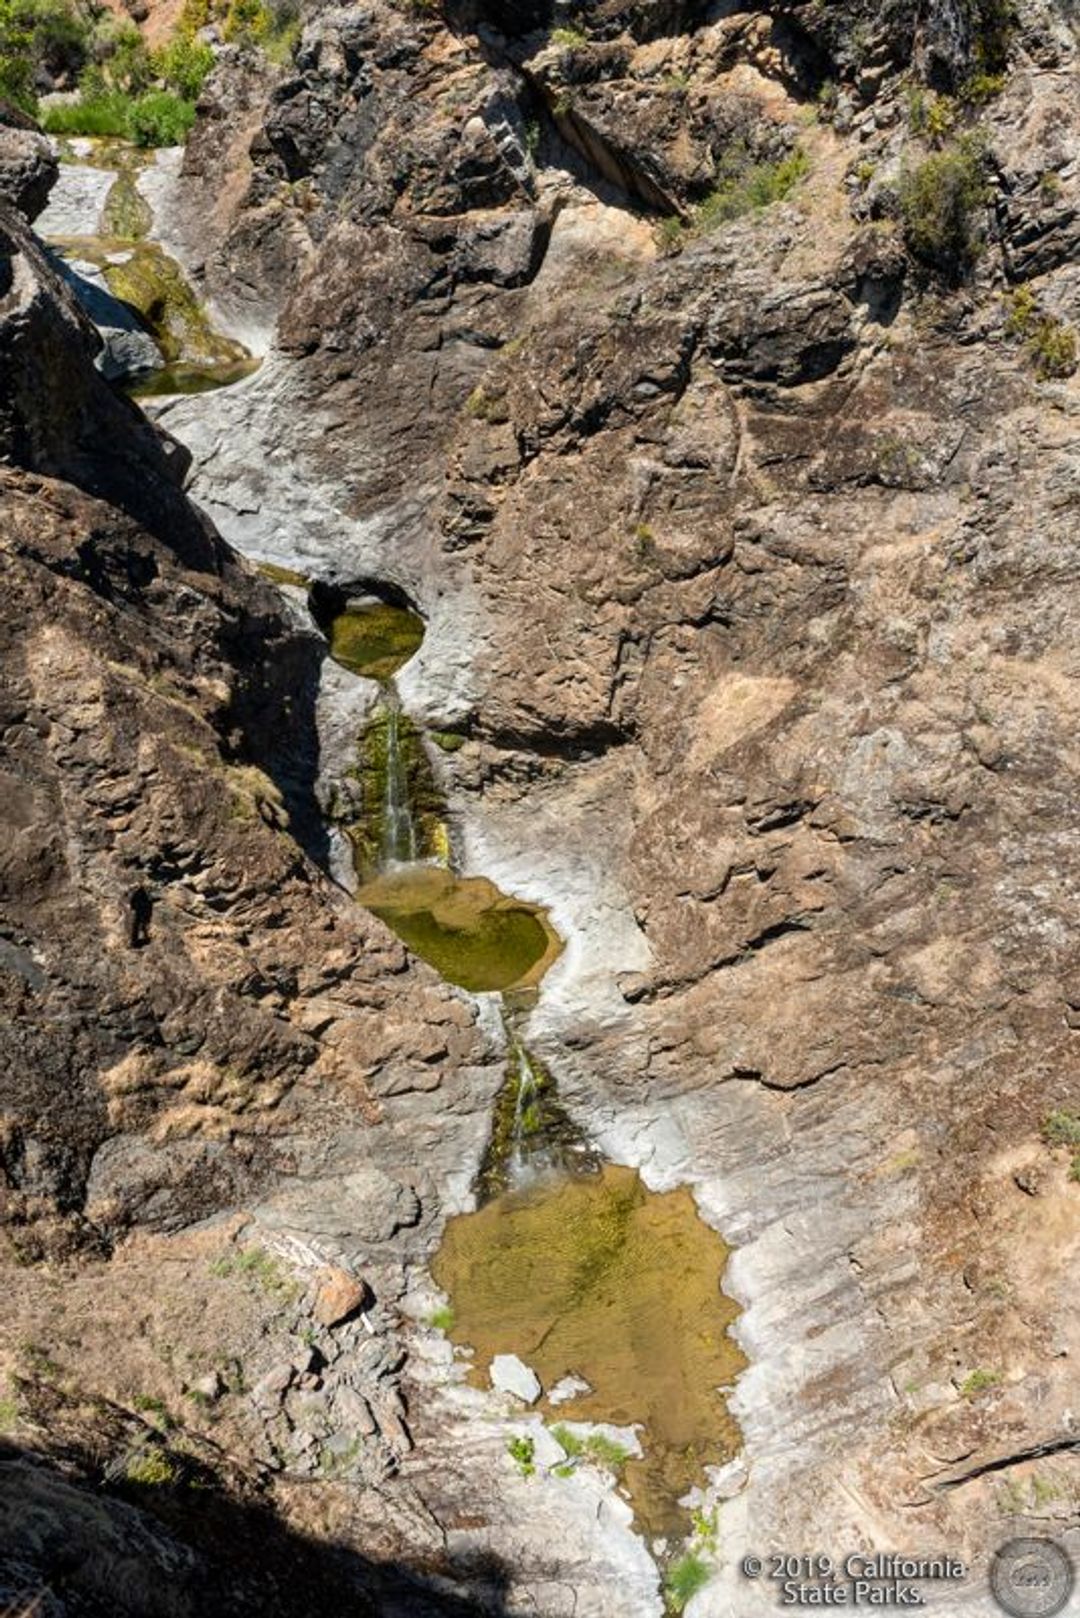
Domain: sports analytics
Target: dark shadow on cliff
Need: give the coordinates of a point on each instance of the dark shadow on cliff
(73, 1546)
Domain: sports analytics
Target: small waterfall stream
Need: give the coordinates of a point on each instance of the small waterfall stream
(399, 841)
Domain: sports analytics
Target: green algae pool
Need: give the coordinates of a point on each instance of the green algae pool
(472, 933)
(599, 1277)
(374, 638)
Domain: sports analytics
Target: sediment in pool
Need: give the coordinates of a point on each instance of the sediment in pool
(597, 1276)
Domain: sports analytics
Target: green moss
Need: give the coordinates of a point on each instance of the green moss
(126, 212)
(155, 286)
(449, 740)
(9, 1414)
(191, 379)
(375, 639)
(392, 742)
(282, 575)
(546, 1126)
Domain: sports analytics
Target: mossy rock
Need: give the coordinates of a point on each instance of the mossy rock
(154, 285)
(549, 1136)
(126, 213)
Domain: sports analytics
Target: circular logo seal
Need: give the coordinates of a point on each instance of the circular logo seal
(1031, 1578)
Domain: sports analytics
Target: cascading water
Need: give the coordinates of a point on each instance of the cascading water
(399, 829)
(520, 1164)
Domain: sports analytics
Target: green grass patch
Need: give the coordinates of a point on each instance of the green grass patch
(9, 1414)
(979, 1382)
(596, 1447)
(442, 1318)
(684, 1579)
(151, 1467)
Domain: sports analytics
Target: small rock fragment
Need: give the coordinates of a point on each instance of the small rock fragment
(511, 1375)
(270, 1388)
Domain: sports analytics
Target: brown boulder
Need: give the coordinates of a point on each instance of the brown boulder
(339, 1296)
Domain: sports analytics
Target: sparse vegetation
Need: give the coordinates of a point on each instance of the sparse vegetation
(568, 37)
(684, 1578)
(147, 1405)
(942, 201)
(745, 186)
(1062, 1128)
(260, 1267)
(9, 1414)
(1051, 347)
(151, 1467)
(595, 1447)
(523, 1451)
(979, 1381)
(442, 1318)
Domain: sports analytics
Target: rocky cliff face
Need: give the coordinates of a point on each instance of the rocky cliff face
(708, 381)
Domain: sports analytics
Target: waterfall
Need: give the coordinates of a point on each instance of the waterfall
(398, 829)
(525, 1121)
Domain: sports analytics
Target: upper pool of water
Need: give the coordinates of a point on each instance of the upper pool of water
(465, 927)
(374, 638)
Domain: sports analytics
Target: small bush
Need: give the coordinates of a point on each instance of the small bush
(684, 1578)
(1052, 347)
(1062, 1128)
(746, 187)
(151, 1468)
(184, 65)
(442, 1318)
(941, 207)
(568, 37)
(160, 118)
(104, 115)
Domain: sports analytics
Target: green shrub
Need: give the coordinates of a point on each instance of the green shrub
(745, 186)
(442, 1318)
(942, 201)
(684, 1578)
(151, 1467)
(1062, 1128)
(160, 118)
(1052, 347)
(184, 65)
(37, 36)
(595, 1447)
(568, 37)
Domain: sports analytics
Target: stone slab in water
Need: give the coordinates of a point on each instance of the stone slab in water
(511, 1375)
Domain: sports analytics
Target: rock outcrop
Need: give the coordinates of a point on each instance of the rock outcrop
(735, 482)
